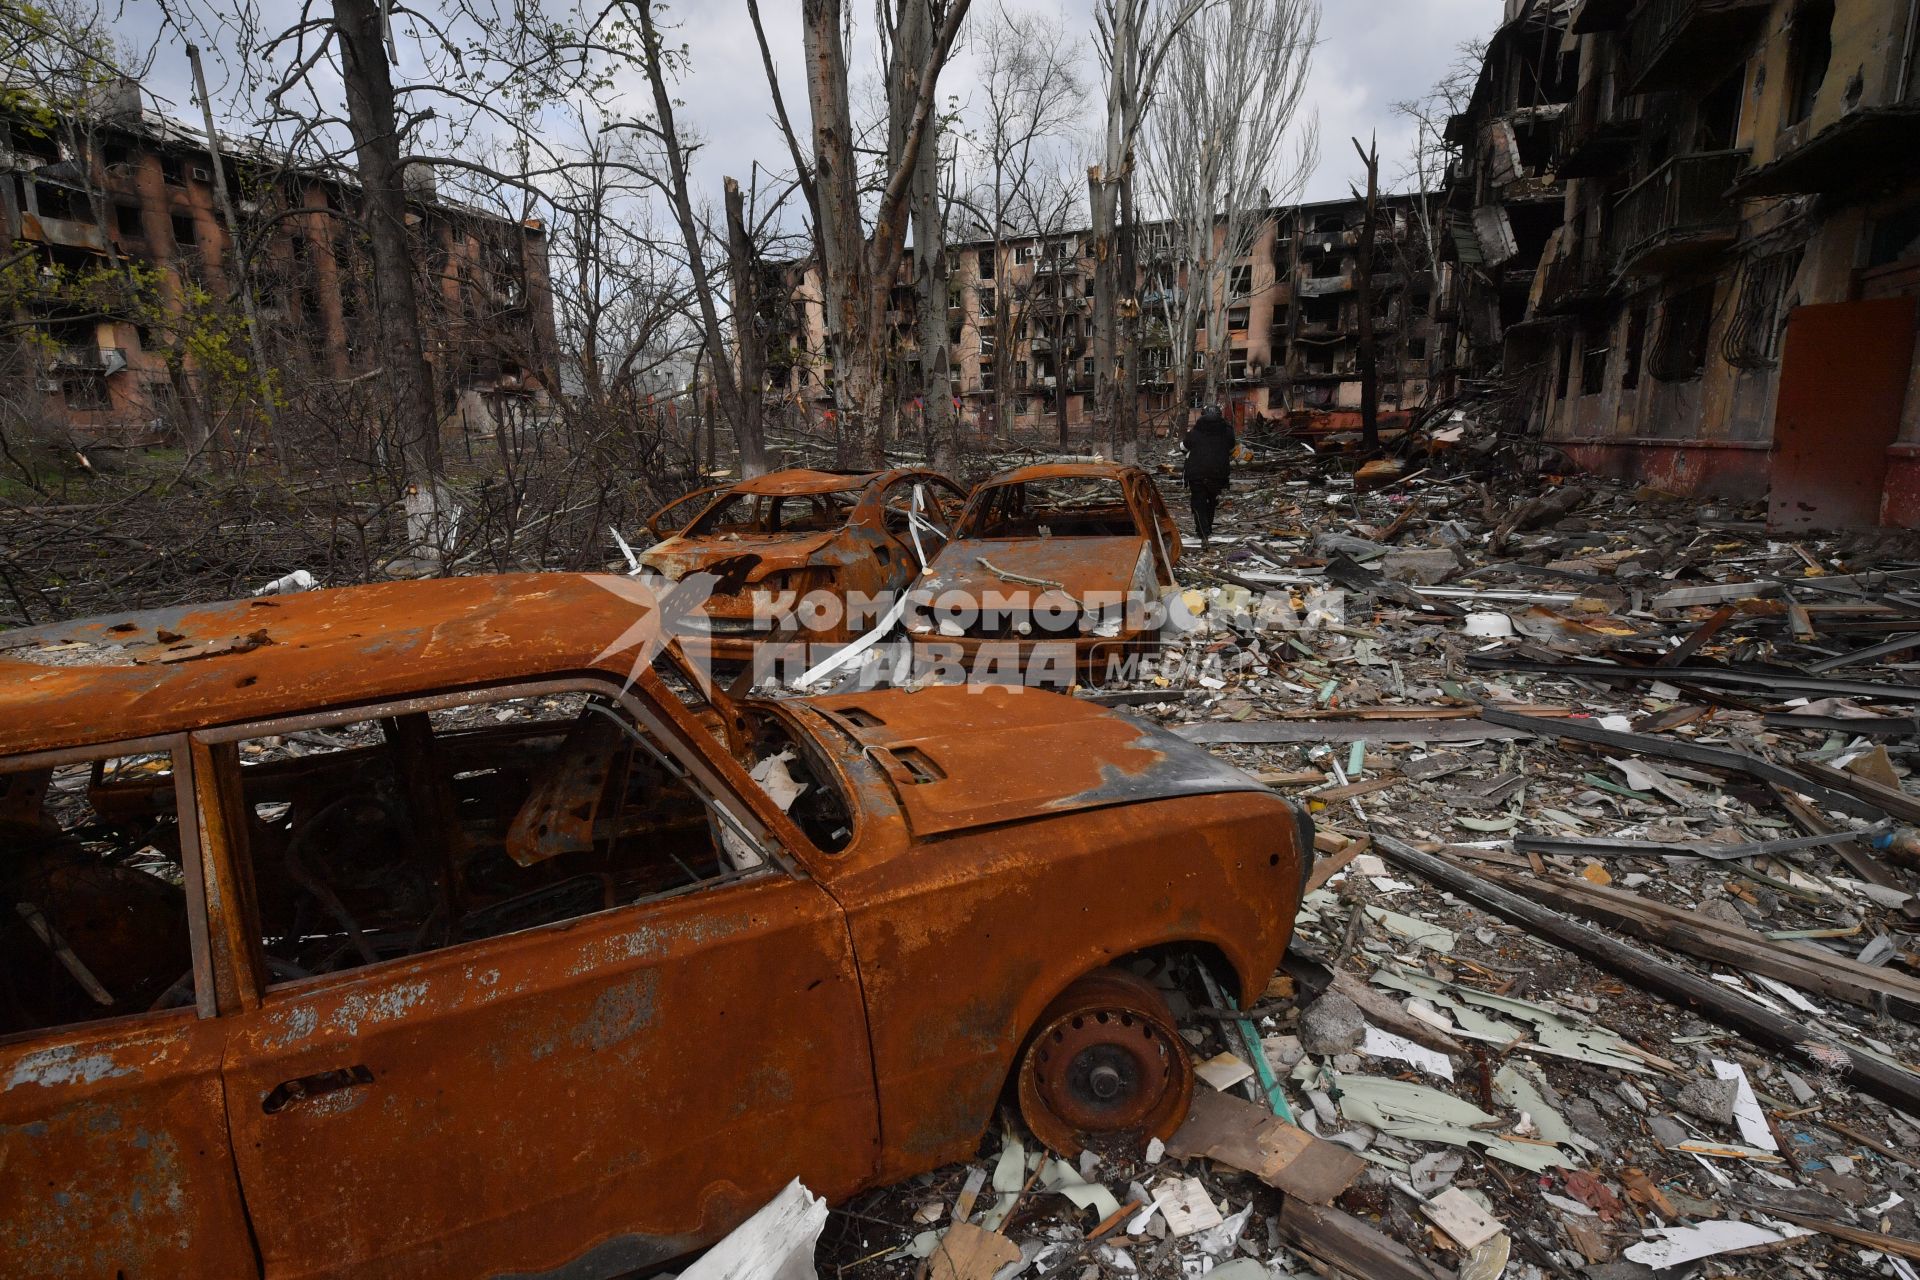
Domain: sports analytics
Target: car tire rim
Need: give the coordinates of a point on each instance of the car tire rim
(1105, 1067)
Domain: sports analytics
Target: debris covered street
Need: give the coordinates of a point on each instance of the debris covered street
(1577, 975)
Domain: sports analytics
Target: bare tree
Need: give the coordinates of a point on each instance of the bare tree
(739, 401)
(1215, 148)
(858, 265)
(1424, 172)
(1134, 39)
(1369, 355)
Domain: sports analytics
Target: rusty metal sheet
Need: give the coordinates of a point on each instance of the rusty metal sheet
(113, 1153)
(617, 1091)
(951, 745)
(317, 649)
(965, 939)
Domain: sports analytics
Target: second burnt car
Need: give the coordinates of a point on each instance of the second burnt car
(1059, 571)
(422, 930)
(770, 542)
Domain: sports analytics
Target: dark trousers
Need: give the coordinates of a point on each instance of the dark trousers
(1204, 492)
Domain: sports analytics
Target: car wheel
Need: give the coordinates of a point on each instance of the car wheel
(1105, 1066)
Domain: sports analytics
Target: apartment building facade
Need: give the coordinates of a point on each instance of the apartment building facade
(1021, 338)
(127, 186)
(1728, 303)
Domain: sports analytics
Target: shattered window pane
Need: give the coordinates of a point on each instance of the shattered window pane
(400, 835)
(1065, 506)
(93, 903)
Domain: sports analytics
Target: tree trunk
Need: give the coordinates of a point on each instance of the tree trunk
(374, 124)
(1369, 365)
(728, 387)
(749, 341)
(931, 271)
(1103, 199)
(1126, 388)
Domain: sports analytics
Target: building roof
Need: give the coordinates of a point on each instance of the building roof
(139, 674)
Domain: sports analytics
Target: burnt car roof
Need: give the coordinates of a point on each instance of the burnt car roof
(138, 674)
(802, 480)
(1059, 471)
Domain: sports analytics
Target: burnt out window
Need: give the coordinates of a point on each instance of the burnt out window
(771, 515)
(1593, 363)
(1636, 346)
(1053, 507)
(185, 233)
(95, 920)
(1680, 350)
(984, 262)
(126, 217)
(390, 837)
(1809, 50)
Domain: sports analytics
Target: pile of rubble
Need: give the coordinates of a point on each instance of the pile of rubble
(1607, 965)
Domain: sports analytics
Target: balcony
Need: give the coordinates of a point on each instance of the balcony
(89, 359)
(1602, 15)
(1678, 212)
(1672, 44)
(1855, 151)
(1326, 286)
(1596, 138)
(1575, 280)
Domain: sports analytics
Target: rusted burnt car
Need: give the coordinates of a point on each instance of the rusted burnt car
(772, 541)
(403, 931)
(1053, 570)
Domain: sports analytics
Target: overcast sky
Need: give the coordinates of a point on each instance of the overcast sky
(1373, 53)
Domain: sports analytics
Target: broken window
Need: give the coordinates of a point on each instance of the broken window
(1809, 50)
(763, 515)
(1636, 344)
(173, 170)
(185, 233)
(1238, 318)
(986, 301)
(1717, 121)
(1566, 369)
(1680, 352)
(984, 261)
(1593, 365)
(393, 836)
(62, 202)
(1325, 267)
(1056, 507)
(1240, 284)
(95, 923)
(126, 218)
(86, 390)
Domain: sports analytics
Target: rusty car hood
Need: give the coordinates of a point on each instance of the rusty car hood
(946, 751)
(678, 557)
(1079, 565)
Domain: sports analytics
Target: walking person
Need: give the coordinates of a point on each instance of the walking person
(1209, 445)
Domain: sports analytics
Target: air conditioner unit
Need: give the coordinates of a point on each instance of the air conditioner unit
(202, 174)
(47, 384)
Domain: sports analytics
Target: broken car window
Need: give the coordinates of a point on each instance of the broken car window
(1061, 507)
(789, 768)
(93, 903)
(403, 834)
(753, 515)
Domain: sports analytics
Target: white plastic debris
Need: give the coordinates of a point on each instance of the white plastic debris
(288, 583)
(1670, 1246)
(777, 1243)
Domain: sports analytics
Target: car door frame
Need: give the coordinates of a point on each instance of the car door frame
(784, 892)
(128, 1112)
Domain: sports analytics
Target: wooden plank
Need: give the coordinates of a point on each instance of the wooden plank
(1268, 732)
(1889, 1083)
(1344, 1241)
(1245, 1135)
(1881, 990)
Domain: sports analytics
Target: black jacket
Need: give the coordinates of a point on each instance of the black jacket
(1210, 450)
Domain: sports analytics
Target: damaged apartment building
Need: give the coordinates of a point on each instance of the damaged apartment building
(1696, 233)
(1020, 325)
(82, 198)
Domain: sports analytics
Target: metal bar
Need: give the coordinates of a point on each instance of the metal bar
(1782, 681)
(1684, 849)
(1643, 744)
(1868, 654)
(1887, 1082)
